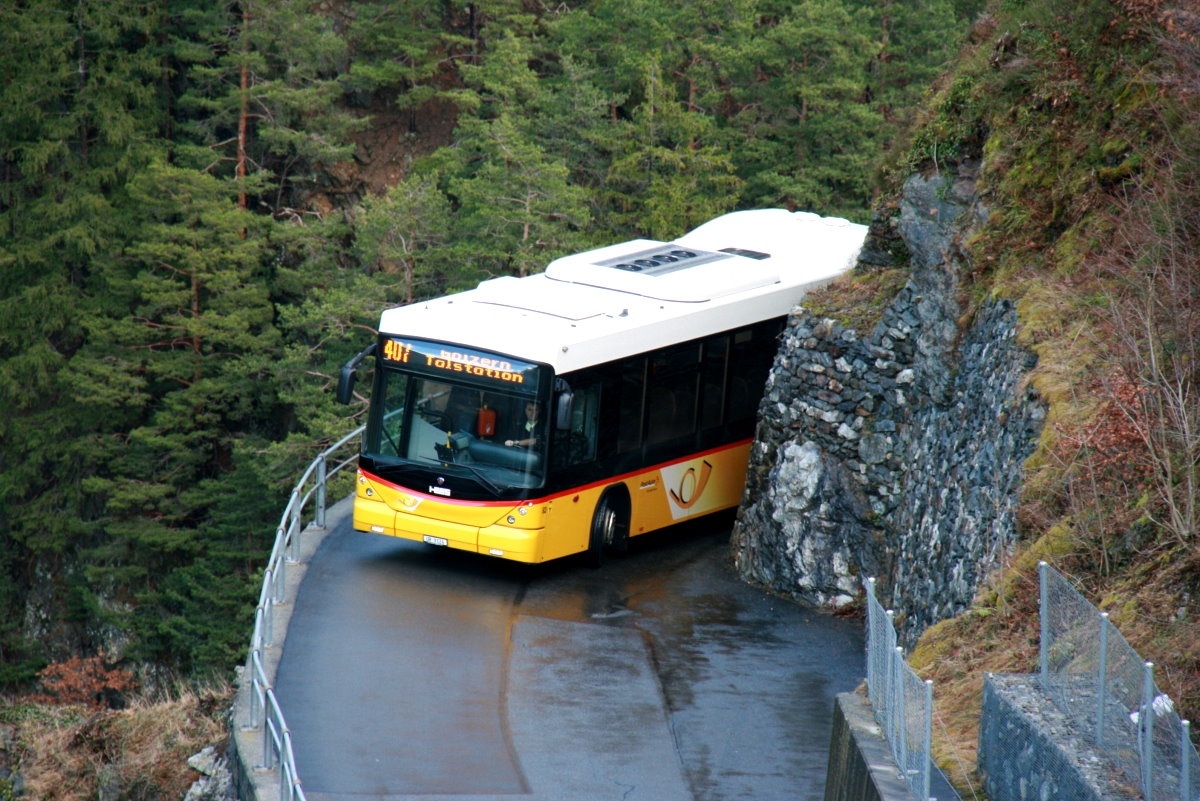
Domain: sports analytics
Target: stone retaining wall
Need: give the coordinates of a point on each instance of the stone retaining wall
(1029, 752)
(897, 454)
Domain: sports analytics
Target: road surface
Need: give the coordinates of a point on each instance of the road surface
(412, 672)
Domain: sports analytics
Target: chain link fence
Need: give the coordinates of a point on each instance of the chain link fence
(901, 701)
(1109, 697)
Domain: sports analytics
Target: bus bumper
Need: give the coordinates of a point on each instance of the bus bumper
(507, 542)
(501, 539)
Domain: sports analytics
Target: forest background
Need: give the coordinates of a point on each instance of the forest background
(204, 207)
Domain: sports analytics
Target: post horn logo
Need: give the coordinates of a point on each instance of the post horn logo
(691, 485)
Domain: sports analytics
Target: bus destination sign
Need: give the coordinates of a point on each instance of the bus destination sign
(460, 360)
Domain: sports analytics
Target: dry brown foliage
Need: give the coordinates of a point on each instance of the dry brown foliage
(89, 681)
(66, 752)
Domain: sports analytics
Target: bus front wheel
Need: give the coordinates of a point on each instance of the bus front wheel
(610, 530)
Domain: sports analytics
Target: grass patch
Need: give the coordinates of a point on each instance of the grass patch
(857, 300)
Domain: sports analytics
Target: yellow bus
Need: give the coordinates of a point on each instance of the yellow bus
(614, 394)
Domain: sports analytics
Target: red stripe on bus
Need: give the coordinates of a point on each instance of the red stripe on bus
(564, 493)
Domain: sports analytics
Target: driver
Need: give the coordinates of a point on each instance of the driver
(527, 434)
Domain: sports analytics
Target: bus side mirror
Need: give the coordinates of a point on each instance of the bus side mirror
(345, 387)
(562, 414)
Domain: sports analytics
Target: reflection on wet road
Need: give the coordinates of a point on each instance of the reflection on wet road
(411, 672)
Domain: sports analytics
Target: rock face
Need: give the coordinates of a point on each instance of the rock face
(816, 526)
(216, 780)
(898, 454)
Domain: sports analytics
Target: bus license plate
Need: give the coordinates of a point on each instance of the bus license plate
(436, 540)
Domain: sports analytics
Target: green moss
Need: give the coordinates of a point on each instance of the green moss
(954, 127)
(1122, 171)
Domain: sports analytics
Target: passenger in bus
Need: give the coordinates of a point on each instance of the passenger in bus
(527, 435)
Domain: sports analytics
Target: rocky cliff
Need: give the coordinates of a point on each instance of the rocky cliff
(896, 453)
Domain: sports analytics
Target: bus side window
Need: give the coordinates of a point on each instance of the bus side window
(577, 445)
(712, 380)
(752, 355)
(671, 396)
(631, 385)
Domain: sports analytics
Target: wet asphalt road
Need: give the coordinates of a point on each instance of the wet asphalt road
(411, 672)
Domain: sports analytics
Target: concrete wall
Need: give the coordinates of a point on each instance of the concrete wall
(861, 767)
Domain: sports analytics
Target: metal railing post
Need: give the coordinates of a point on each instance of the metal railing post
(268, 636)
(889, 687)
(280, 581)
(257, 704)
(928, 750)
(1102, 680)
(292, 552)
(872, 679)
(319, 522)
(1185, 761)
(268, 744)
(1043, 609)
(901, 740)
(1146, 730)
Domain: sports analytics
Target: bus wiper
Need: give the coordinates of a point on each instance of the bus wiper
(479, 474)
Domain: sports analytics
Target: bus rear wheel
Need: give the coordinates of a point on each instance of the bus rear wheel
(610, 530)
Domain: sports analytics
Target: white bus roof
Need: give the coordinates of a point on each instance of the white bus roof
(592, 307)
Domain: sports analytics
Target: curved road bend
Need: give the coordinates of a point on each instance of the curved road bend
(411, 673)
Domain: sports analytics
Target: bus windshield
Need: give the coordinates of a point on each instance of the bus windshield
(457, 412)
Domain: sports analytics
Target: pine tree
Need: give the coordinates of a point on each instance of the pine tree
(397, 233)
(187, 357)
(666, 174)
(398, 49)
(914, 42)
(82, 115)
(807, 133)
(259, 99)
(517, 208)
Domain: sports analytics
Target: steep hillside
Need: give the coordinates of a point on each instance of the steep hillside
(1085, 119)
(1032, 391)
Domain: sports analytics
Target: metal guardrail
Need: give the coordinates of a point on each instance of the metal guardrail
(265, 712)
(901, 701)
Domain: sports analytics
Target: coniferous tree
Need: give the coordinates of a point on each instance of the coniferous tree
(398, 233)
(398, 49)
(260, 99)
(186, 356)
(82, 115)
(914, 42)
(809, 134)
(666, 174)
(516, 206)
(576, 119)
